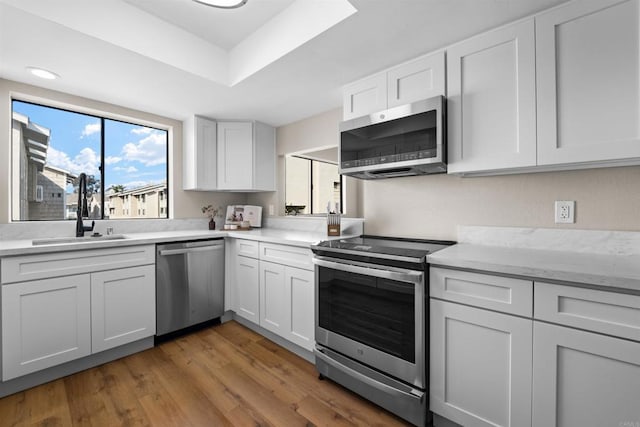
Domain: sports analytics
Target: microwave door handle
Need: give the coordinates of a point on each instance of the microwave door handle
(401, 276)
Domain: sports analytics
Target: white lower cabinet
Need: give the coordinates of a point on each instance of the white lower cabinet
(274, 288)
(45, 323)
(273, 296)
(584, 379)
(480, 366)
(248, 288)
(300, 299)
(286, 302)
(123, 306)
(64, 315)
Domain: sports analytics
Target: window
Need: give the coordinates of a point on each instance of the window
(51, 147)
(310, 185)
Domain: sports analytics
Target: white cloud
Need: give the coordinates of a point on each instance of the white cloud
(90, 129)
(86, 161)
(150, 151)
(142, 131)
(110, 160)
(130, 169)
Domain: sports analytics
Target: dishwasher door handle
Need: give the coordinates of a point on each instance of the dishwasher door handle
(167, 252)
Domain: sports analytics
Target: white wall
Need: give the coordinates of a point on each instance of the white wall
(184, 204)
(432, 206)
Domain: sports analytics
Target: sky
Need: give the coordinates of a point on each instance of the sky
(134, 155)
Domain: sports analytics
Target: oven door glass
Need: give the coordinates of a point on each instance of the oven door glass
(374, 311)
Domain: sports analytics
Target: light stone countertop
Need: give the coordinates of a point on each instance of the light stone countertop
(281, 236)
(607, 270)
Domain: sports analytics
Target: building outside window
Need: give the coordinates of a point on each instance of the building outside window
(51, 147)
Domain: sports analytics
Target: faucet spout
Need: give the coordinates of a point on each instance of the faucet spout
(83, 210)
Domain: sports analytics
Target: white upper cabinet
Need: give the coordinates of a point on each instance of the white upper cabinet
(246, 156)
(588, 77)
(365, 96)
(228, 156)
(419, 79)
(416, 80)
(199, 154)
(491, 103)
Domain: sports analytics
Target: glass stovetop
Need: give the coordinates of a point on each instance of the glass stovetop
(366, 244)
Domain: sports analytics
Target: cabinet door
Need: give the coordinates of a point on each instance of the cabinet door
(301, 309)
(584, 379)
(44, 323)
(588, 82)
(365, 96)
(235, 156)
(273, 297)
(491, 100)
(416, 80)
(247, 288)
(480, 366)
(123, 306)
(200, 155)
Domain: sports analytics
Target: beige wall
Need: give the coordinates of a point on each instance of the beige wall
(433, 206)
(183, 204)
(306, 135)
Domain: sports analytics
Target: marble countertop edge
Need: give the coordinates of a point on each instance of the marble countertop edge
(619, 271)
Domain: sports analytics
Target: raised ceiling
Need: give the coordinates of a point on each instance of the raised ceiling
(277, 61)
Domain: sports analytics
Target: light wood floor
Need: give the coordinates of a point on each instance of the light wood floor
(225, 375)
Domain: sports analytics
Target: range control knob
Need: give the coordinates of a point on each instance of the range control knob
(381, 116)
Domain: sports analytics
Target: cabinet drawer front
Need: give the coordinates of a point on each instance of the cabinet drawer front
(289, 255)
(504, 294)
(41, 266)
(599, 311)
(248, 248)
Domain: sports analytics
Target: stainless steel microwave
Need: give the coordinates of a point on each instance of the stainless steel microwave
(401, 141)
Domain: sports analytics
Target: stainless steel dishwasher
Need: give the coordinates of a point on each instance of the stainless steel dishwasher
(189, 284)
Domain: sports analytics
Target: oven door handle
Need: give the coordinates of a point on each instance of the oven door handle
(397, 274)
(413, 393)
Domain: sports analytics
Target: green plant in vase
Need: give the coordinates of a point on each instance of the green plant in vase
(212, 213)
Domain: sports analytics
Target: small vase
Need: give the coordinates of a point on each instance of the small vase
(212, 224)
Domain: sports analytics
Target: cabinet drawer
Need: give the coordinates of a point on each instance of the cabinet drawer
(289, 255)
(504, 294)
(600, 311)
(247, 248)
(43, 266)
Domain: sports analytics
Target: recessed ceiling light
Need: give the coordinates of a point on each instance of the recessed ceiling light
(222, 4)
(42, 73)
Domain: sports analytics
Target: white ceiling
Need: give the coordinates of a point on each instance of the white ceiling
(271, 60)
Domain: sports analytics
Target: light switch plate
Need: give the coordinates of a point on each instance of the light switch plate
(565, 211)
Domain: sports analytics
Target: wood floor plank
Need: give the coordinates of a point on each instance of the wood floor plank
(258, 398)
(186, 395)
(257, 369)
(87, 403)
(199, 366)
(226, 375)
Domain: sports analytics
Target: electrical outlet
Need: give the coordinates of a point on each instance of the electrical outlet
(565, 211)
(272, 210)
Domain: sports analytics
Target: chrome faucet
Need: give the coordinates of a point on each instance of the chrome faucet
(83, 210)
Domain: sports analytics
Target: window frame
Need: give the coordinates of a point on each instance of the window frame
(342, 183)
(101, 116)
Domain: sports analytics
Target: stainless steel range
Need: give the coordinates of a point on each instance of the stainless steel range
(371, 319)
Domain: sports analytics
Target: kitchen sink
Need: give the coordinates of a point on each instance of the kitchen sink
(63, 240)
